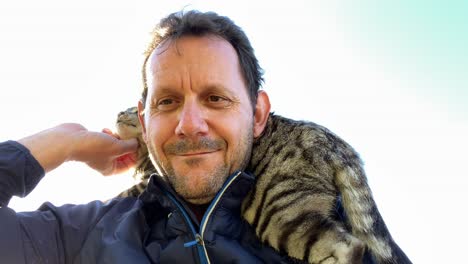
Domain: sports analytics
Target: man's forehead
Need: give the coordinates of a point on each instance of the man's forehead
(190, 49)
(206, 57)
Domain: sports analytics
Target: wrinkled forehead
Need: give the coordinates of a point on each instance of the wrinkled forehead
(208, 56)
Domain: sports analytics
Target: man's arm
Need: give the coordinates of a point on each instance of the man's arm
(41, 235)
(19, 171)
(101, 151)
(23, 163)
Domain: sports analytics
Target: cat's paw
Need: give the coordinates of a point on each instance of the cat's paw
(348, 250)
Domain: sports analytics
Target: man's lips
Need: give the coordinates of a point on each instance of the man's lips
(186, 147)
(196, 153)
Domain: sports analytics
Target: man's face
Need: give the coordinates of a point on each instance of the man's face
(198, 119)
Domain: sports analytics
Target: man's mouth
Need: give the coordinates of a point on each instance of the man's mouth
(198, 153)
(188, 148)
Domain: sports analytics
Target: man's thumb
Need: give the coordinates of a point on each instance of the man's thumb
(128, 145)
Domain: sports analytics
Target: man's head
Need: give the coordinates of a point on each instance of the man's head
(198, 117)
(195, 23)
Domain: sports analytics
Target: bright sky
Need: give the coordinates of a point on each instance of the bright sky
(387, 76)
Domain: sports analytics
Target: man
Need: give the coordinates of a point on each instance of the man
(200, 110)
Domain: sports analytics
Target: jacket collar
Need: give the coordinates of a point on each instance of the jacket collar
(232, 195)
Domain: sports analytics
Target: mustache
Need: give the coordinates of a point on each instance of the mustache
(187, 146)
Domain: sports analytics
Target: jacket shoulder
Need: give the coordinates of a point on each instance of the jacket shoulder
(56, 234)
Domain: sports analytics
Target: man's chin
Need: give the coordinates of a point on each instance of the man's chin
(195, 192)
(197, 185)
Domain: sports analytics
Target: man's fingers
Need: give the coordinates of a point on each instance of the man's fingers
(126, 161)
(128, 145)
(109, 132)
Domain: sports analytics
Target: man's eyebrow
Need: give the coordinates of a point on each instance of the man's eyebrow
(216, 87)
(219, 88)
(161, 92)
(165, 89)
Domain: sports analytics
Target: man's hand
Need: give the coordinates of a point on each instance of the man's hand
(101, 151)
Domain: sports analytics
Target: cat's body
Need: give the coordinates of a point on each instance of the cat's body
(302, 169)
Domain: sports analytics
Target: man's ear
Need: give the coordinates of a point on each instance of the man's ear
(141, 118)
(262, 112)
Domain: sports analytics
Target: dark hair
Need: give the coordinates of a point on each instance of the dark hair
(196, 23)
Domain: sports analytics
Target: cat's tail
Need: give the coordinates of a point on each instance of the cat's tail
(361, 210)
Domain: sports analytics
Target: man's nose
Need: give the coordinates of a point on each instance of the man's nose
(191, 120)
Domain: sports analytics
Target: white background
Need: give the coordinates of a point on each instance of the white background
(329, 62)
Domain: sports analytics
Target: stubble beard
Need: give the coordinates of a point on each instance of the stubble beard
(213, 180)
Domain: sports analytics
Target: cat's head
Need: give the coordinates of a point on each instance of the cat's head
(128, 125)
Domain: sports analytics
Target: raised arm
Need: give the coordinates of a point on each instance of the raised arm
(22, 165)
(101, 151)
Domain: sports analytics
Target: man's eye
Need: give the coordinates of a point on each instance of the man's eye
(215, 98)
(167, 104)
(218, 101)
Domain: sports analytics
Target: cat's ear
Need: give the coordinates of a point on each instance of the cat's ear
(262, 112)
(141, 118)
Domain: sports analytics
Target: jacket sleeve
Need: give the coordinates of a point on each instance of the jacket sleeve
(19, 171)
(50, 234)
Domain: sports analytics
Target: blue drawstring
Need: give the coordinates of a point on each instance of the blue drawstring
(191, 243)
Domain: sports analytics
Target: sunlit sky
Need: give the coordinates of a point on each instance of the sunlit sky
(387, 76)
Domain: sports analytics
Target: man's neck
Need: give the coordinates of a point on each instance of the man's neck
(198, 210)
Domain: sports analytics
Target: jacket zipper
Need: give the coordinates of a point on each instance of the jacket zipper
(198, 241)
(202, 252)
(210, 209)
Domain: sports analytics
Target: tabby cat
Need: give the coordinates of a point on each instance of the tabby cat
(302, 169)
